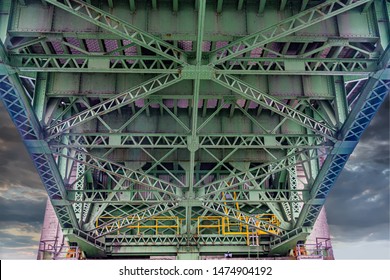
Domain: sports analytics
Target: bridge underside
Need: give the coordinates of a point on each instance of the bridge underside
(191, 127)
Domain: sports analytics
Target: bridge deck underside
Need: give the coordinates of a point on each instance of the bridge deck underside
(191, 127)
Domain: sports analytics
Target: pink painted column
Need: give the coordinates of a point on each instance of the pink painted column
(51, 235)
(321, 233)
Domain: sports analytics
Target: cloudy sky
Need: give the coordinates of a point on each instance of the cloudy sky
(357, 208)
(22, 196)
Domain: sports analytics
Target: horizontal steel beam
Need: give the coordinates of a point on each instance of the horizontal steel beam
(114, 103)
(253, 203)
(296, 66)
(87, 34)
(262, 171)
(127, 140)
(269, 102)
(217, 242)
(124, 172)
(132, 218)
(157, 65)
(372, 96)
(285, 27)
(92, 63)
(140, 197)
(91, 193)
(121, 28)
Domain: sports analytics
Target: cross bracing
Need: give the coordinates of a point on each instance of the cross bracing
(166, 124)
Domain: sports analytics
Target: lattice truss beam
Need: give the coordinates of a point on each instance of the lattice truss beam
(150, 162)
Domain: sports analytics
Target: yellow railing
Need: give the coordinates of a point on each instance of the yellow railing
(226, 226)
(221, 224)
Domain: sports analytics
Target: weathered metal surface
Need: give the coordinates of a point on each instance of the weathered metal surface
(175, 129)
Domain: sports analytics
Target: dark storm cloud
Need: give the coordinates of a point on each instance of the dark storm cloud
(379, 127)
(358, 206)
(358, 200)
(16, 167)
(21, 211)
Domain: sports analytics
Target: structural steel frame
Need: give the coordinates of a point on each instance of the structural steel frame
(105, 180)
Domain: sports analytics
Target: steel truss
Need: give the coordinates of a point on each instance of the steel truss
(87, 63)
(273, 104)
(121, 28)
(372, 96)
(132, 218)
(100, 196)
(111, 195)
(286, 27)
(111, 104)
(252, 175)
(158, 65)
(124, 172)
(126, 140)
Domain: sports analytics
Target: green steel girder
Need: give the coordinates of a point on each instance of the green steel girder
(163, 108)
(143, 90)
(155, 65)
(304, 5)
(202, 240)
(158, 163)
(127, 140)
(192, 144)
(220, 162)
(172, 245)
(296, 66)
(167, 190)
(246, 177)
(286, 27)
(121, 28)
(283, 245)
(179, 156)
(245, 218)
(81, 237)
(91, 192)
(262, 6)
(185, 37)
(371, 97)
(124, 172)
(249, 92)
(26, 44)
(132, 218)
(274, 207)
(135, 195)
(92, 63)
(113, 212)
(240, 141)
(283, 4)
